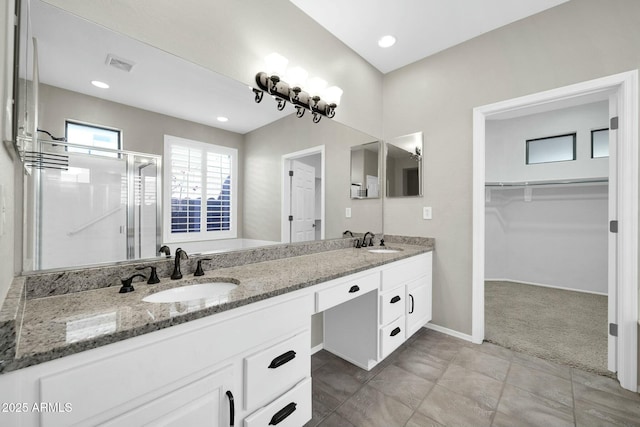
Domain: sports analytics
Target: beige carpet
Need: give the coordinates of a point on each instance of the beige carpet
(561, 326)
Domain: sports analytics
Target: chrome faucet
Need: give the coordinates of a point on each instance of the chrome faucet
(180, 254)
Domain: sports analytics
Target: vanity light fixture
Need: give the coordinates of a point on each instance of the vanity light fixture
(317, 98)
(98, 83)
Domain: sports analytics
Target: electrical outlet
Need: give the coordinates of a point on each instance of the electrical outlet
(347, 213)
(426, 212)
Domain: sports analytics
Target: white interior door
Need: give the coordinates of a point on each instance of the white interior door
(372, 186)
(612, 242)
(303, 197)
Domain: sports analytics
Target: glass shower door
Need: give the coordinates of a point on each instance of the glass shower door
(99, 207)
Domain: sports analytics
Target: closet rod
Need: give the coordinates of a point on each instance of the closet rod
(551, 182)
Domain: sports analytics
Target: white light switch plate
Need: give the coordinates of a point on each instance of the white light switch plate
(426, 212)
(347, 212)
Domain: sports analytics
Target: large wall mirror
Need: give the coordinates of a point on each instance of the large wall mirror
(365, 171)
(404, 166)
(107, 200)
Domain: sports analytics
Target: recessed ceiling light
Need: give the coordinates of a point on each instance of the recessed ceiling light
(101, 85)
(223, 119)
(386, 41)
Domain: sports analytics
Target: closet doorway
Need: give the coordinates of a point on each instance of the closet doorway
(622, 95)
(546, 234)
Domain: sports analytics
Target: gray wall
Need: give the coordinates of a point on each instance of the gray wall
(142, 130)
(573, 42)
(264, 149)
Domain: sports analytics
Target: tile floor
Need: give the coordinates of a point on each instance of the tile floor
(435, 379)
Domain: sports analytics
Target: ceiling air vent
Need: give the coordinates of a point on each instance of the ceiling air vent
(120, 63)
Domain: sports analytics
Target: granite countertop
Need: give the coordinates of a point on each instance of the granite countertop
(61, 325)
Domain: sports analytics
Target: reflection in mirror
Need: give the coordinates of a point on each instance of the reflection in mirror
(365, 171)
(164, 95)
(404, 166)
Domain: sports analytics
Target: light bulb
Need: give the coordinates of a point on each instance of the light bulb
(316, 86)
(297, 77)
(332, 95)
(276, 64)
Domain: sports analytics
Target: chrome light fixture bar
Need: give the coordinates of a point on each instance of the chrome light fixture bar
(302, 100)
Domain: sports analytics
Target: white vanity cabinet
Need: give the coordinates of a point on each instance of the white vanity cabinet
(366, 329)
(247, 366)
(205, 401)
(192, 374)
(407, 302)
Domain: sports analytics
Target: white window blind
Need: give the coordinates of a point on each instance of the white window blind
(201, 179)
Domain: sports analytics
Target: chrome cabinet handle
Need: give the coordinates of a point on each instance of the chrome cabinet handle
(412, 303)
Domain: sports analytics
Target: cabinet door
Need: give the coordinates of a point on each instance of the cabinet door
(418, 304)
(206, 401)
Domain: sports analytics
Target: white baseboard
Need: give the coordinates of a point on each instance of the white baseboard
(317, 348)
(546, 286)
(448, 331)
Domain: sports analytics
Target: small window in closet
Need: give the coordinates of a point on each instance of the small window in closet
(599, 143)
(559, 148)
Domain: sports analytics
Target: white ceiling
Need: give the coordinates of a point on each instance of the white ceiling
(421, 27)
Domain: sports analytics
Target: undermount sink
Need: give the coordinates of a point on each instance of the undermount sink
(383, 251)
(192, 292)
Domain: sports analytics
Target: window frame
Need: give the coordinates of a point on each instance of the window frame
(203, 234)
(67, 122)
(599, 130)
(572, 134)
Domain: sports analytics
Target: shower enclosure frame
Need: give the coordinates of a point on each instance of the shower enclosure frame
(132, 250)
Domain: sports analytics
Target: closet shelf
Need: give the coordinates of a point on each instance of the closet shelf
(522, 184)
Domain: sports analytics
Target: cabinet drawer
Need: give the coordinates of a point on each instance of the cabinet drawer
(293, 409)
(346, 290)
(392, 305)
(391, 336)
(271, 372)
(404, 271)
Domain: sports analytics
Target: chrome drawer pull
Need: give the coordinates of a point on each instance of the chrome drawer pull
(282, 414)
(395, 299)
(282, 359)
(354, 288)
(395, 332)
